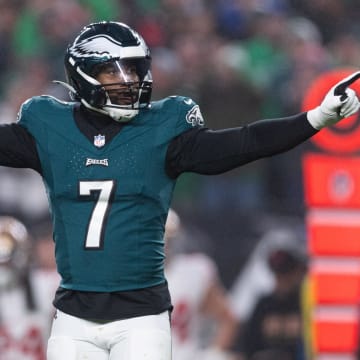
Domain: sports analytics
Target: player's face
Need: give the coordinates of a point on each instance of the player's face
(121, 82)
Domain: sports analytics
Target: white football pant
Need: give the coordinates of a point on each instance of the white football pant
(139, 338)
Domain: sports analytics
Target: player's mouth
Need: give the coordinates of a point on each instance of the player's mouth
(123, 96)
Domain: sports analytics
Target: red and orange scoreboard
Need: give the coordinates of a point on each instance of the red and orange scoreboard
(331, 177)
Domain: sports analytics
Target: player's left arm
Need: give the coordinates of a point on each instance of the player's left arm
(205, 151)
(211, 152)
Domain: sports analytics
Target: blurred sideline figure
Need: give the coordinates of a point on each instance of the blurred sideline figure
(44, 276)
(23, 328)
(273, 327)
(197, 295)
(256, 279)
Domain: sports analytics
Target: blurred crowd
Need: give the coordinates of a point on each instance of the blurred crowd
(240, 60)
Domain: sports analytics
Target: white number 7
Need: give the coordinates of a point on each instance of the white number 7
(102, 192)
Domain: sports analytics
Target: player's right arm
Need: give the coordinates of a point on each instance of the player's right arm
(18, 148)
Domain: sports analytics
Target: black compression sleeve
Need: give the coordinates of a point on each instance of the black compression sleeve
(18, 148)
(205, 151)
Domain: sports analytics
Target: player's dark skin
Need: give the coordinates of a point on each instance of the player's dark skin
(111, 76)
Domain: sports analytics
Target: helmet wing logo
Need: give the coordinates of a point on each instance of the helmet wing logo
(96, 46)
(194, 116)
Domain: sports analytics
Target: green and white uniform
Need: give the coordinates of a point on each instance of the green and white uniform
(108, 203)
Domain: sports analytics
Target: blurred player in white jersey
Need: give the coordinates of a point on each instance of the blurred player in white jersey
(44, 276)
(23, 327)
(197, 295)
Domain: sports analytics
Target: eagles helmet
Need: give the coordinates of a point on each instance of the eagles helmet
(115, 46)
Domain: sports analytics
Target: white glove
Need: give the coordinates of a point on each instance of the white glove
(340, 102)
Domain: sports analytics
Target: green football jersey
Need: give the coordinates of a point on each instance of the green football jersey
(108, 200)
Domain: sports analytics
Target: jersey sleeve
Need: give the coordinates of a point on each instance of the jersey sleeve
(40, 116)
(189, 115)
(211, 152)
(18, 147)
(28, 116)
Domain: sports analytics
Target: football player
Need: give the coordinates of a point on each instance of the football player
(23, 329)
(199, 301)
(110, 160)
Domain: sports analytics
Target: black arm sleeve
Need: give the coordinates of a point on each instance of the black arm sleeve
(205, 151)
(18, 148)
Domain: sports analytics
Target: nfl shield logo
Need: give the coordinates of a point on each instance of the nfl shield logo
(99, 140)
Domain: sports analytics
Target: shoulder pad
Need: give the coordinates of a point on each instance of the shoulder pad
(40, 107)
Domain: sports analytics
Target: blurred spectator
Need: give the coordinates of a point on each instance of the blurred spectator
(102, 10)
(166, 72)
(304, 58)
(8, 18)
(345, 49)
(23, 326)
(221, 85)
(197, 295)
(232, 21)
(275, 327)
(256, 278)
(44, 276)
(273, 324)
(43, 31)
(331, 16)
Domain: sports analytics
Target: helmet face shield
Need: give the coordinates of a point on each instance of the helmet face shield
(124, 68)
(122, 81)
